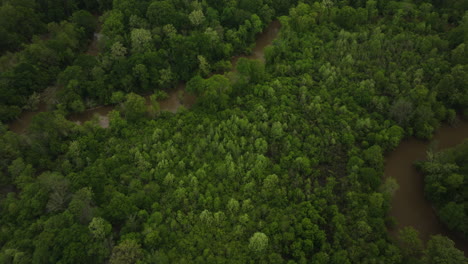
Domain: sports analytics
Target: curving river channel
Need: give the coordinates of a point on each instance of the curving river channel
(409, 206)
(176, 97)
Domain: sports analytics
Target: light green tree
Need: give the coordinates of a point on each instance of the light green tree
(134, 107)
(166, 77)
(99, 228)
(203, 65)
(127, 252)
(154, 107)
(276, 130)
(258, 242)
(197, 17)
(141, 40)
(233, 205)
(410, 244)
(441, 250)
(80, 205)
(118, 50)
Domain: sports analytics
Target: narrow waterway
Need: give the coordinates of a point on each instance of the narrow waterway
(177, 97)
(409, 206)
(25, 118)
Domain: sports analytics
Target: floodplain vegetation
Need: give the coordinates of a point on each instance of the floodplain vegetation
(446, 186)
(279, 161)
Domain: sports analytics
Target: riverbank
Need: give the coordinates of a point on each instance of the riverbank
(177, 97)
(409, 206)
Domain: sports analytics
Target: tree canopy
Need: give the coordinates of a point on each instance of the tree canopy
(277, 161)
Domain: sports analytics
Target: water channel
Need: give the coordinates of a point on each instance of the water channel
(409, 206)
(177, 97)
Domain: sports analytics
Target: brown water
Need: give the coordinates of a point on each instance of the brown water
(263, 40)
(99, 113)
(177, 97)
(409, 206)
(25, 118)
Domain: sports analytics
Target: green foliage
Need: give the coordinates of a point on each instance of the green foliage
(441, 250)
(18, 23)
(134, 107)
(278, 162)
(128, 251)
(85, 20)
(258, 243)
(446, 185)
(141, 40)
(410, 243)
(38, 65)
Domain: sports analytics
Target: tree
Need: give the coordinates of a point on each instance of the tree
(197, 17)
(389, 187)
(214, 91)
(195, 85)
(85, 20)
(203, 65)
(81, 205)
(119, 208)
(58, 186)
(113, 25)
(127, 252)
(166, 78)
(302, 17)
(258, 243)
(134, 107)
(161, 13)
(454, 216)
(276, 130)
(441, 250)
(374, 156)
(233, 205)
(154, 107)
(141, 40)
(140, 73)
(410, 243)
(99, 228)
(291, 149)
(251, 71)
(372, 10)
(17, 25)
(401, 111)
(118, 50)
(270, 183)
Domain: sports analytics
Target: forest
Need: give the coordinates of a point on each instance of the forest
(279, 160)
(446, 185)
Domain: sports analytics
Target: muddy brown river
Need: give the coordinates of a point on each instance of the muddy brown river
(409, 206)
(177, 97)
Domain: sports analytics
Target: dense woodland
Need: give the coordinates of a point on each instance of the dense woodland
(446, 185)
(277, 162)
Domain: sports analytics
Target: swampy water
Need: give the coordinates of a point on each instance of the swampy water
(177, 97)
(409, 206)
